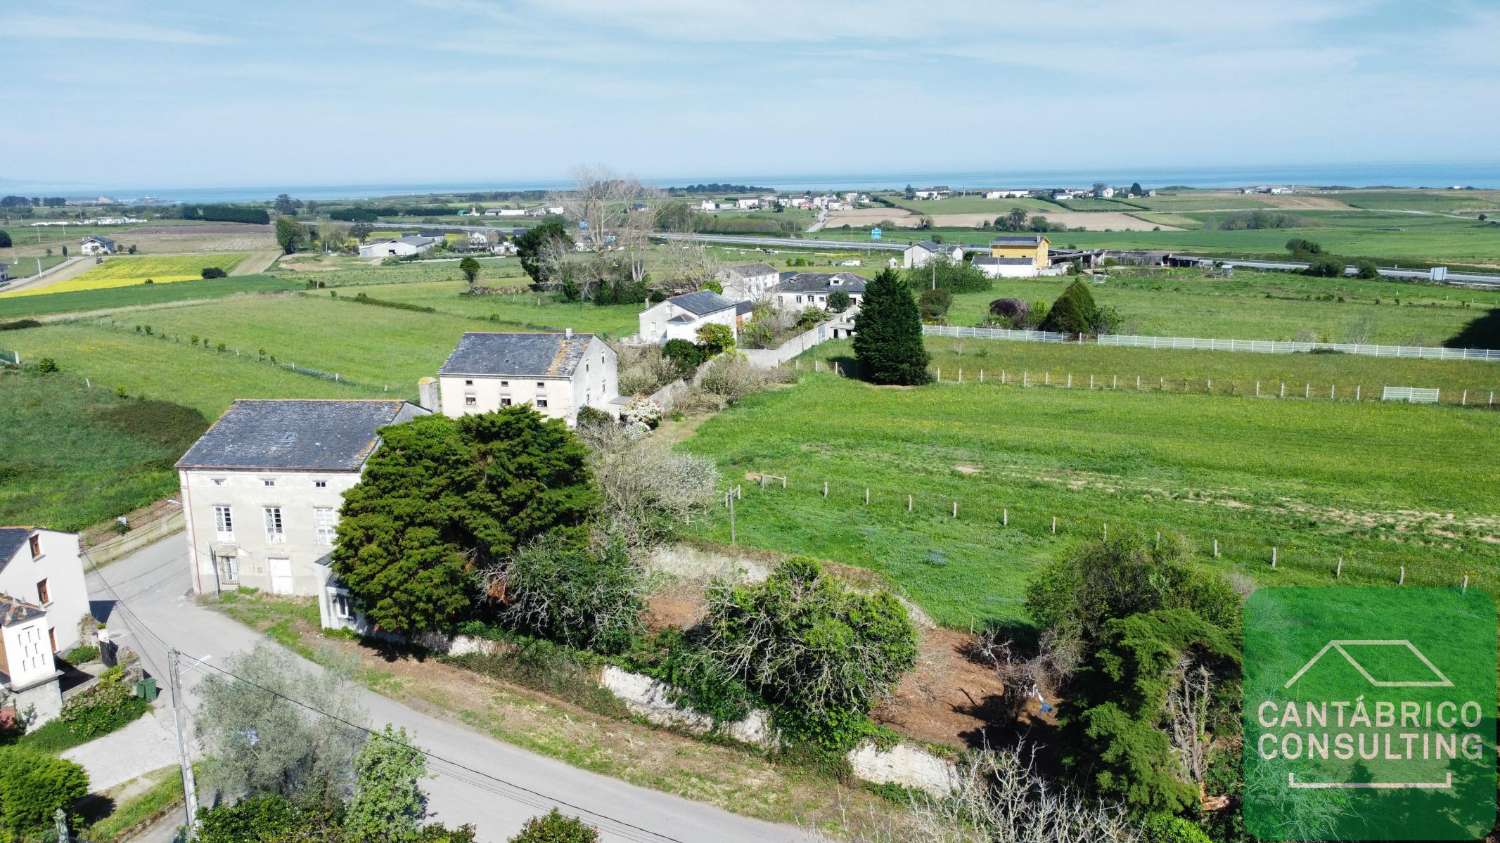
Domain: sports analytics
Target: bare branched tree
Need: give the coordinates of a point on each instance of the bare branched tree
(603, 200)
(1187, 717)
(1001, 798)
(648, 488)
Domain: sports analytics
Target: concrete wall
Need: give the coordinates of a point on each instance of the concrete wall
(62, 567)
(247, 494)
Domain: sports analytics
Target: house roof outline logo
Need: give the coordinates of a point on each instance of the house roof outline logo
(1340, 645)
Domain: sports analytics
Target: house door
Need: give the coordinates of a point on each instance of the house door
(281, 575)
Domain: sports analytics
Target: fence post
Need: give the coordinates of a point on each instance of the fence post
(1070, 380)
(1137, 383)
(1338, 572)
(1025, 378)
(981, 376)
(940, 374)
(1054, 525)
(960, 374)
(1005, 517)
(1356, 392)
(825, 488)
(1402, 580)
(955, 509)
(1283, 390)
(1210, 386)
(1333, 393)
(1466, 584)
(1463, 400)
(1307, 390)
(1106, 531)
(908, 503)
(1115, 382)
(1257, 389)
(1216, 548)
(1047, 378)
(867, 496)
(1273, 556)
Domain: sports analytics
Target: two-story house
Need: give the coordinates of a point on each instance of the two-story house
(42, 600)
(922, 252)
(802, 290)
(748, 281)
(557, 374)
(262, 488)
(680, 317)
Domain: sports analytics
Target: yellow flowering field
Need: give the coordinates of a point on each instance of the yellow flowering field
(127, 271)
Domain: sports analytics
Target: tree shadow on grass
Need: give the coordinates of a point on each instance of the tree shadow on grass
(94, 807)
(1481, 332)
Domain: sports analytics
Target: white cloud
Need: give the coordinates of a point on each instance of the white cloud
(98, 27)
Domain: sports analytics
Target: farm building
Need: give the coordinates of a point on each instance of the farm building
(811, 289)
(261, 491)
(680, 317)
(96, 245)
(1034, 247)
(994, 267)
(556, 373)
(42, 600)
(1006, 194)
(405, 247)
(748, 280)
(921, 252)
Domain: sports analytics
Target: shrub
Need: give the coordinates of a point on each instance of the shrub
(1073, 312)
(731, 377)
(839, 301)
(593, 415)
(554, 827)
(1010, 311)
(1325, 268)
(1366, 268)
(82, 654)
(934, 304)
(562, 589)
(686, 355)
(642, 411)
(697, 680)
(1299, 246)
(259, 819)
(214, 272)
(102, 708)
(33, 786)
(959, 277)
(807, 642)
(1165, 828)
(20, 325)
(46, 366)
(715, 338)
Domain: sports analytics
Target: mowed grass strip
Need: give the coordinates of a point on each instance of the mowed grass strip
(72, 456)
(201, 378)
(1341, 377)
(1381, 486)
(126, 271)
(510, 311)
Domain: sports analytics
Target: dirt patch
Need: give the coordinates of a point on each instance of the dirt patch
(681, 606)
(1085, 220)
(1295, 201)
(859, 217)
(964, 468)
(204, 237)
(947, 699)
(256, 262)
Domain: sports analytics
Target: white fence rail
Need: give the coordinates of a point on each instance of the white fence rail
(1410, 394)
(10, 358)
(1202, 344)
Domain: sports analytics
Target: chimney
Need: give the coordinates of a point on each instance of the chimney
(427, 394)
(567, 333)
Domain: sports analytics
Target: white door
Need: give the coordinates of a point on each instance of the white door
(281, 575)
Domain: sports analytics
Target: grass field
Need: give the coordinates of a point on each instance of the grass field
(1436, 201)
(518, 311)
(1340, 376)
(128, 271)
(72, 456)
(26, 266)
(1318, 481)
(1260, 305)
(338, 271)
(140, 295)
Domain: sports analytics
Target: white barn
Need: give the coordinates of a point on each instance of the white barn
(557, 374)
(680, 317)
(405, 247)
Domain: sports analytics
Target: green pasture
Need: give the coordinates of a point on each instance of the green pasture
(518, 310)
(1380, 486)
(1433, 201)
(140, 295)
(25, 266)
(347, 271)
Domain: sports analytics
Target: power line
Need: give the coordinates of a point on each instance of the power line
(622, 824)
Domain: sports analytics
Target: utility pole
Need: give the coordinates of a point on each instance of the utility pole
(189, 786)
(729, 498)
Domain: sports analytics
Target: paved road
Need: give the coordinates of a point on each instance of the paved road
(153, 585)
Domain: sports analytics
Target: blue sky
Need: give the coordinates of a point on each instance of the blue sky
(179, 93)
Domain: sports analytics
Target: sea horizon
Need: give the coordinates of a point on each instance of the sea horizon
(1365, 175)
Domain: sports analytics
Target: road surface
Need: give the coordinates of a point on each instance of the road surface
(479, 780)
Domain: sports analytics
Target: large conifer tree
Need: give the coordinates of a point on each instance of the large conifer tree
(888, 333)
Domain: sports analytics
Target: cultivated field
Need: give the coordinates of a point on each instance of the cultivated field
(139, 296)
(1318, 481)
(127, 271)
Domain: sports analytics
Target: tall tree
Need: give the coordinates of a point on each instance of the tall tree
(4, 239)
(286, 205)
(360, 230)
(470, 268)
(290, 234)
(388, 803)
(444, 498)
(541, 249)
(1016, 219)
(888, 333)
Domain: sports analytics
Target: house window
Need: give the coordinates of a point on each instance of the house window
(224, 523)
(468, 382)
(52, 637)
(799, 300)
(471, 400)
(324, 521)
(505, 402)
(505, 383)
(541, 384)
(321, 484)
(35, 542)
(342, 608)
(43, 595)
(268, 481)
(275, 534)
(218, 481)
(541, 402)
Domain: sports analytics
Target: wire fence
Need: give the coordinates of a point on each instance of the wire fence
(1415, 352)
(999, 516)
(10, 358)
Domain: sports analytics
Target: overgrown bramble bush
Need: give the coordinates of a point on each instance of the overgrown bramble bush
(642, 411)
(104, 707)
(573, 593)
(554, 827)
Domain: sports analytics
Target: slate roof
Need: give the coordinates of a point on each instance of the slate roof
(524, 355)
(1029, 240)
(416, 240)
(988, 260)
(702, 302)
(12, 539)
(822, 282)
(99, 238)
(748, 270)
(933, 247)
(297, 435)
(744, 307)
(18, 611)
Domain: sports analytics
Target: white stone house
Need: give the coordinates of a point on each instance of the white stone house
(405, 247)
(748, 281)
(680, 317)
(922, 252)
(812, 289)
(42, 600)
(994, 267)
(96, 245)
(557, 374)
(262, 489)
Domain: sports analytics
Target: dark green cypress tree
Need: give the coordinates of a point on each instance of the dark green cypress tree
(888, 333)
(1073, 312)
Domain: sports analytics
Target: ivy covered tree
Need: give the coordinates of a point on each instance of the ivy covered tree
(388, 801)
(888, 333)
(539, 245)
(445, 498)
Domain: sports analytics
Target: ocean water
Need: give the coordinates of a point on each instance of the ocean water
(1472, 174)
